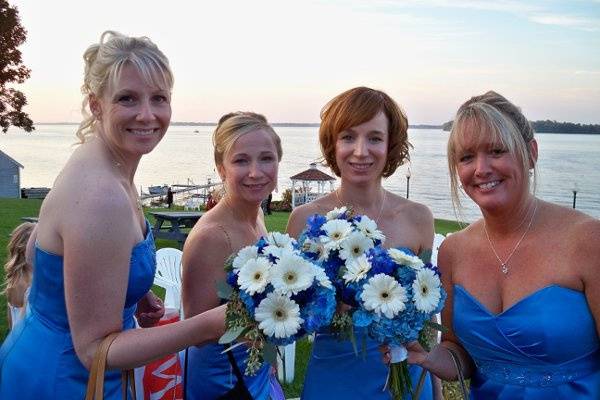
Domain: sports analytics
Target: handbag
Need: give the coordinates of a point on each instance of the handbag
(459, 372)
(95, 385)
(239, 391)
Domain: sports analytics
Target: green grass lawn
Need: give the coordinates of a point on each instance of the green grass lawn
(12, 210)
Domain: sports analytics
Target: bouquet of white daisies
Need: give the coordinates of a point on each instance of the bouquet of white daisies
(276, 295)
(392, 293)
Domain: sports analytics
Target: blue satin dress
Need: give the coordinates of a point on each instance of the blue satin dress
(546, 346)
(209, 374)
(37, 359)
(336, 372)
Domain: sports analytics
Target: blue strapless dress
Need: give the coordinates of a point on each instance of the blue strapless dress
(37, 359)
(209, 373)
(544, 347)
(336, 372)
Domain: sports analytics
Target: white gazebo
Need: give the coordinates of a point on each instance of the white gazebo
(304, 193)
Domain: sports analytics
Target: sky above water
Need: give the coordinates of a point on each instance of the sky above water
(286, 59)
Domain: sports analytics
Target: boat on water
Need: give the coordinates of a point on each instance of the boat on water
(158, 190)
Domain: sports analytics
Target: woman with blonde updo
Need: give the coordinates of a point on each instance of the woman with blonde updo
(247, 152)
(94, 255)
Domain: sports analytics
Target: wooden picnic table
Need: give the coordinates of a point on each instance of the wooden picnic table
(177, 220)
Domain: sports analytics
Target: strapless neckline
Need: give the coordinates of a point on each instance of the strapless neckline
(523, 300)
(144, 241)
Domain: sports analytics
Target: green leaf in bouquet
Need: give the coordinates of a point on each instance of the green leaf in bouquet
(229, 263)
(353, 340)
(238, 344)
(224, 291)
(436, 326)
(231, 334)
(428, 335)
(425, 256)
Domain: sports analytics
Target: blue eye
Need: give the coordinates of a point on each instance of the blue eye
(160, 99)
(125, 99)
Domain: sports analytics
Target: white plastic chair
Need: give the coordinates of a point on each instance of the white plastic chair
(287, 359)
(438, 238)
(168, 276)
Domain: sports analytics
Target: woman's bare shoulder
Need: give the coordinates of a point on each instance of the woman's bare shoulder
(417, 212)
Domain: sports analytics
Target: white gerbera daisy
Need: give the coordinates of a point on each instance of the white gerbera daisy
(317, 248)
(278, 316)
(254, 276)
(384, 295)
(335, 213)
(336, 231)
(292, 274)
(277, 243)
(322, 277)
(369, 228)
(426, 290)
(354, 246)
(402, 258)
(357, 269)
(244, 255)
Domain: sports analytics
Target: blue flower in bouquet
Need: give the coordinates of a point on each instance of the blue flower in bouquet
(318, 313)
(314, 224)
(232, 279)
(248, 302)
(381, 261)
(361, 318)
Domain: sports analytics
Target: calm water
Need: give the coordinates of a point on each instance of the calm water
(565, 161)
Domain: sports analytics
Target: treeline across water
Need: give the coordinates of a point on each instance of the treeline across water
(549, 126)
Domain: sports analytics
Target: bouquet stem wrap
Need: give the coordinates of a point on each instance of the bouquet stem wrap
(398, 382)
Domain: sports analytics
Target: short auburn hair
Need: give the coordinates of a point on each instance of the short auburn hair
(357, 106)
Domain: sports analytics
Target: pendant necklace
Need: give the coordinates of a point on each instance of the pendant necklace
(504, 264)
(337, 196)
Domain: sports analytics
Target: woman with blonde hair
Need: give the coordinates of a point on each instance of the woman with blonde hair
(247, 153)
(17, 270)
(364, 139)
(94, 255)
(523, 281)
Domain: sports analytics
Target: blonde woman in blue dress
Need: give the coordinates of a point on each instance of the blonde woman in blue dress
(523, 281)
(94, 256)
(364, 139)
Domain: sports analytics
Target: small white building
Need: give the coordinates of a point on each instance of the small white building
(303, 185)
(10, 176)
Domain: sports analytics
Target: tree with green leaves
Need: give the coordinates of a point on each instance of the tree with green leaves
(12, 70)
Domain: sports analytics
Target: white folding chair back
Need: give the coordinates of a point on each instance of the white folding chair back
(438, 238)
(168, 276)
(285, 363)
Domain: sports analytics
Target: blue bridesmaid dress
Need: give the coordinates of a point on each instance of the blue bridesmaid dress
(209, 373)
(336, 372)
(37, 359)
(546, 346)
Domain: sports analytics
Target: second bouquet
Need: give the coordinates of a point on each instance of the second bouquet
(275, 297)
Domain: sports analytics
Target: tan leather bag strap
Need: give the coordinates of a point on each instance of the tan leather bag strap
(95, 386)
(459, 372)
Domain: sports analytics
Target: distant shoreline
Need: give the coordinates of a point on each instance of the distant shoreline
(276, 124)
(316, 125)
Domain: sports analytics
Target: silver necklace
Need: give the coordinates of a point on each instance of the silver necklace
(337, 196)
(504, 264)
